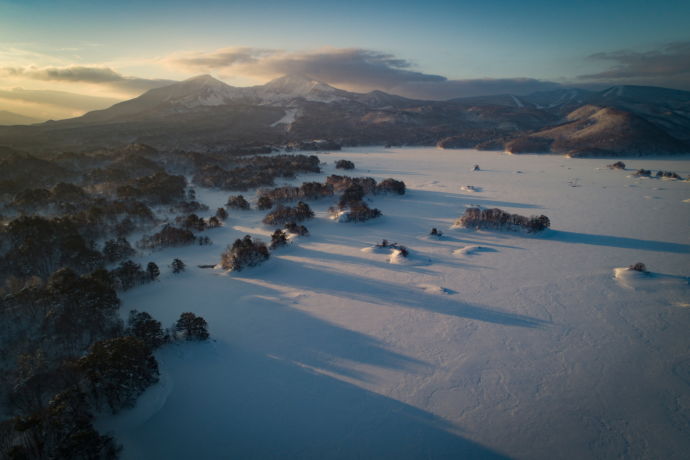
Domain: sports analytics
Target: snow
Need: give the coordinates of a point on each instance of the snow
(289, 118)
(517, 101)
(531, 347)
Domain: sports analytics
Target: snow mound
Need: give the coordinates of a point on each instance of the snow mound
(468, 250)
(435, 289)
(630, 278)
(396, 258)
(375, 249)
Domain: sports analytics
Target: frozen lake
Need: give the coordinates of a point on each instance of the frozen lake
(483, 344)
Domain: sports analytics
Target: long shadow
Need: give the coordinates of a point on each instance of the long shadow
(617, 241)
(462, 199)
(304, 275)
(238, 404)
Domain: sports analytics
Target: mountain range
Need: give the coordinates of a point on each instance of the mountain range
(205, 114)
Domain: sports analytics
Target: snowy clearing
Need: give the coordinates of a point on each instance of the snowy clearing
(532, 348)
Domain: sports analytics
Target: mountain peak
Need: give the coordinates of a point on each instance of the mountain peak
(293, 86)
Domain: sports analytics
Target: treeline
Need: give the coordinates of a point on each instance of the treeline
(497, 219)
(67, 355)
(333, 184)
(255, 171)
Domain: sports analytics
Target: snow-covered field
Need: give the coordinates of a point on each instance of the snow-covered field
(481, 344)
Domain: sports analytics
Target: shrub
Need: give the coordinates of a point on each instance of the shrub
(497, 219)
(344, 164)
(668, 174)
(642, 173)
(616, 165)
(435, 232)
(243, 253)
(638, 267)
(386, 244)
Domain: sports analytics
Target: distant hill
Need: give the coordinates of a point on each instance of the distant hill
(205, 114)
(595, 131)
(11, 118)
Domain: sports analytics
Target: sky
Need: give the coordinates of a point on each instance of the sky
(62, 58)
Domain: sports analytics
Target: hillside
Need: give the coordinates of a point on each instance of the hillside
(594, 130)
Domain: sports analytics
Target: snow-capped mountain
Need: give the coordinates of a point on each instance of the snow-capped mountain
(291, 87)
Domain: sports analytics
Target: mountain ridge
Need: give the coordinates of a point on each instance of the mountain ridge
(204, 113)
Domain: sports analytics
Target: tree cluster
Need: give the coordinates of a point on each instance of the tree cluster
(129, 274)
(296, 229)
(344, 164)
(159, 188)
(244, 252)
(616, 165)
(284, 214)
(237, 202)
(278, 239)
(35, 245)
(497, 219)
(118, 249)
(169, 236)
(255, 171)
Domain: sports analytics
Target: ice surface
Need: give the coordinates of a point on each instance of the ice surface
(533, 349)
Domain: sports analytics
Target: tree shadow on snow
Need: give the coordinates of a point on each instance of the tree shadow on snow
(239, 404)
(316, 278)
(616, 241)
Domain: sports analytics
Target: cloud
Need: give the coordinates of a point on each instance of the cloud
(668, 65)
(61, 99)
(450, 89)
(355, 69)
(86, 74)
